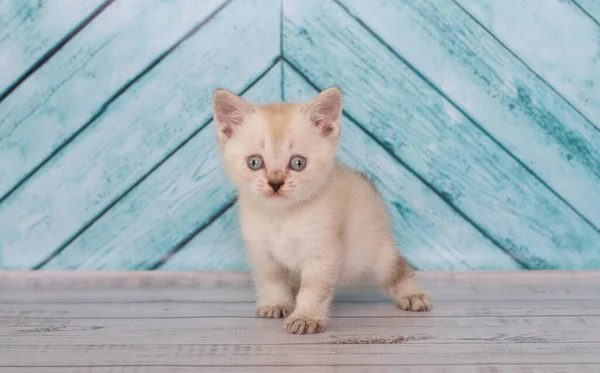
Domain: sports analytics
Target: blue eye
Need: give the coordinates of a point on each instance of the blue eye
(297, 163)
(255, 162)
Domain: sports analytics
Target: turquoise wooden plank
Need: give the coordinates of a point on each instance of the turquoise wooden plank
(591, 7)
(180, 196)
(30, 28)
(219, 247)
(140, 128)
(555, 39)
(501, 94)
(436, 140)
(73, 86)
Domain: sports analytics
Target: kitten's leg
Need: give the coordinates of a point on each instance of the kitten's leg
(396, 277)
(317, 284)
(275, 299)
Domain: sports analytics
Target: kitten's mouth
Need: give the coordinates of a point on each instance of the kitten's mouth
(276, 195)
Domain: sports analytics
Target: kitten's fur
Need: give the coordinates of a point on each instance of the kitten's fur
(326, 224)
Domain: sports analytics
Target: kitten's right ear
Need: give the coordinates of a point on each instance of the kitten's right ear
(229, 111)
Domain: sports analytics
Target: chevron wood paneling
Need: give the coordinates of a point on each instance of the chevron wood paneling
(498, 92)
(31, 29)
(165, 208)
(122, 42)
(555, 39)
(441, 144)
(139, 129)
(478, 122)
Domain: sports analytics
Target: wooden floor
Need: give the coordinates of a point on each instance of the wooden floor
(154, 322)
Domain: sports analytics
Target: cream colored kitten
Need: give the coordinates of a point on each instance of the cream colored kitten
(306, 219)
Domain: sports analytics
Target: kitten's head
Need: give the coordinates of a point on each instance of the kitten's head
(278, 154)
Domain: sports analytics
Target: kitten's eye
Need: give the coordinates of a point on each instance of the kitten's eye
(255, 163)
(298, 163)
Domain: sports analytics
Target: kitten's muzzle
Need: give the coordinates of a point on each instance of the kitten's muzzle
(275, 185)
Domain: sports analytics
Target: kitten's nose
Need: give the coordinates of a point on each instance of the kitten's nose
(275, 185)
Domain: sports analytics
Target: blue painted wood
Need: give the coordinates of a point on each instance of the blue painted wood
(483, 140)
(217, 248)
(176, 199)
(501, 94)
(30, 28)
(137, 131)
(430, 234)
(555, 39)
(591, 7)
(76, 84)
(436, 140)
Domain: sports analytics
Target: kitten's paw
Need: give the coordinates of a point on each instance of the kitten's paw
(274, 312)
(414, 302)
(303, 326)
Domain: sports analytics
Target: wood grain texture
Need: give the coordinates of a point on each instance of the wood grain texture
(157, 310)
(253, 331)
(300, 355)
(440, 292)
(177, 198)
(361, 368)
(591, 8)
(501, 94)
(555, 39)
(144, 125)
(216, 248)
(519, 281)
(425, 227)
(197, 328)
(30, 28)
(81, 78)
(436, 140)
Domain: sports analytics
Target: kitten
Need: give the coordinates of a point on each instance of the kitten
(306, 219)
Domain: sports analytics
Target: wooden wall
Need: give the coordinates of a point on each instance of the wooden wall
(478, 120)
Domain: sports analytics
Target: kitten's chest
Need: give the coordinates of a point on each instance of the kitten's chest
(290, 240)
(285, 238)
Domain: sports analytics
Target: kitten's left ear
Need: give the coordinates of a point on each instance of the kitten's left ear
(229, 111)
(325, 111)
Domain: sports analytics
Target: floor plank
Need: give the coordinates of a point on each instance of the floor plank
(165, 310)
(179, 322)
(481, 368)
(251, 331)
(310, 354)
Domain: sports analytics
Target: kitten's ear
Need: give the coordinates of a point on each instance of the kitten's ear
(325, 111)
(229, 111)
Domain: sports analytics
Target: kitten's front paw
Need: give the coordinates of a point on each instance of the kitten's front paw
(302, 326)
(414, 302)
(274, 312)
